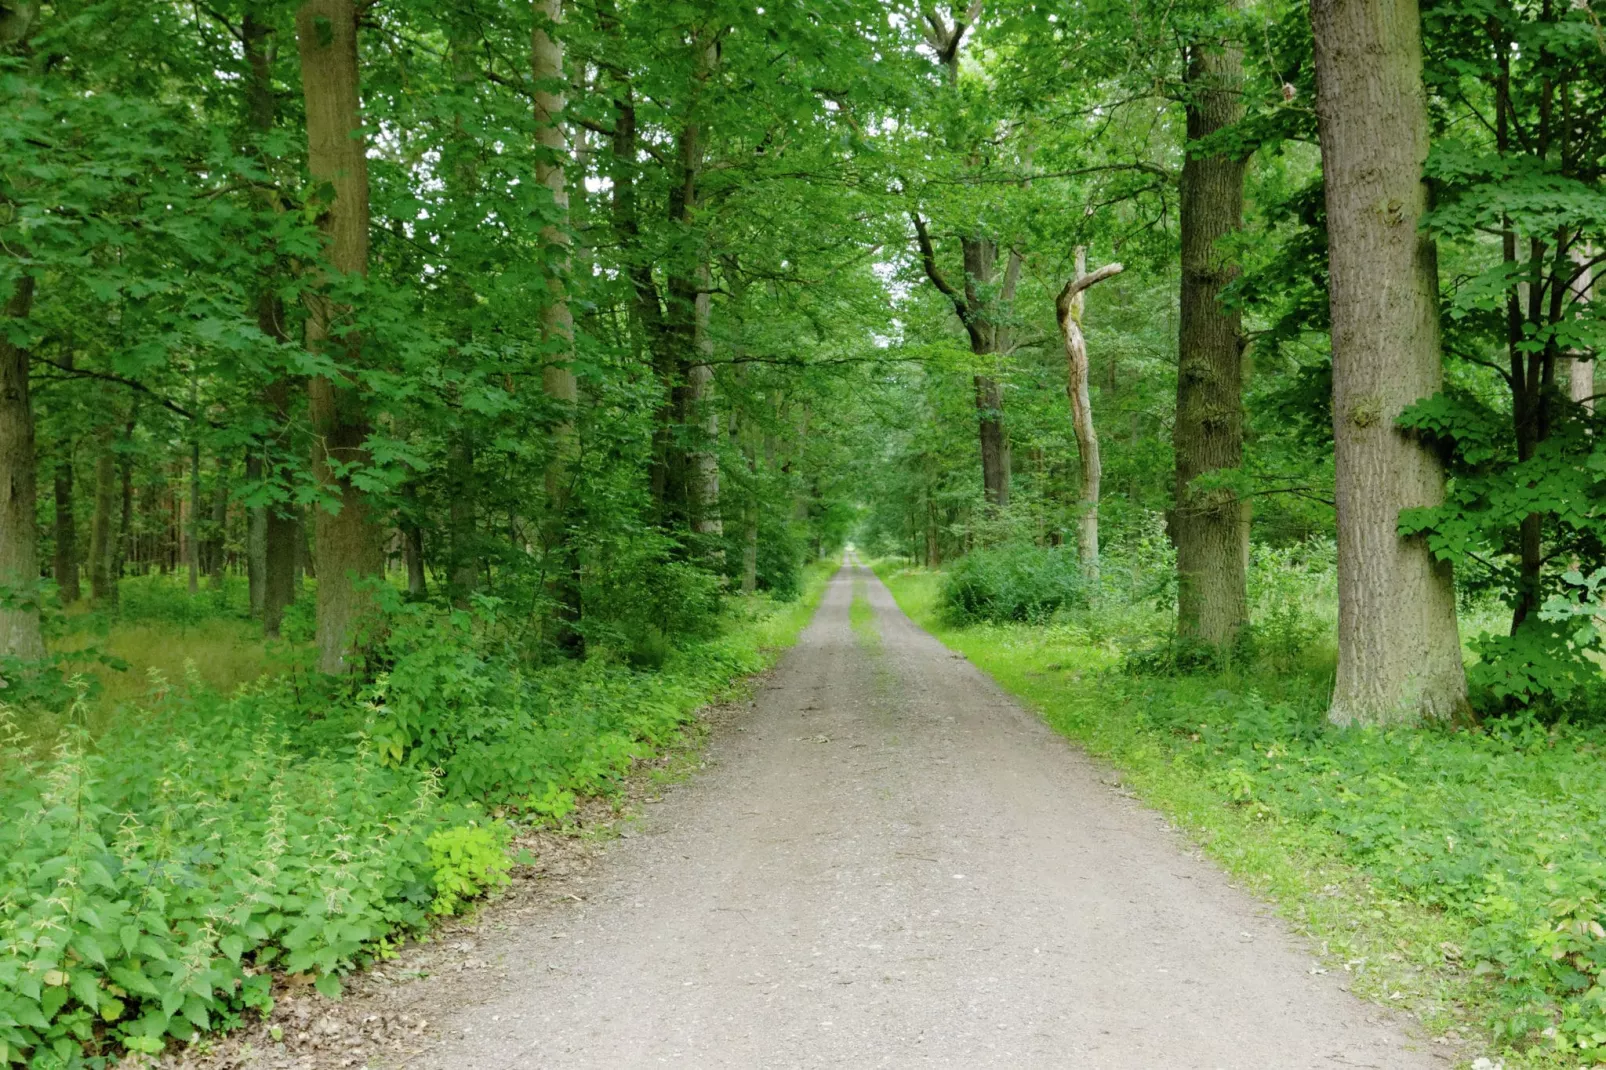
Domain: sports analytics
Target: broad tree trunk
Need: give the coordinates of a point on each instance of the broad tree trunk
(1399, 653)
(19, 547)
(981, 258)
(1208, 437)
(1068, 310)
(192, 528)
(102, 553)
(65, 567)
(349, 548)
(557, 324)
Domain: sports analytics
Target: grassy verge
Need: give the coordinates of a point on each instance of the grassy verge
(1457, 875)
(861, 618)
(157, 875)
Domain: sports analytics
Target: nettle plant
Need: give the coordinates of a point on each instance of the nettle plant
(152, 881)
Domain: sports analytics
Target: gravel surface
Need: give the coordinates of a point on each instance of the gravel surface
(889, 863)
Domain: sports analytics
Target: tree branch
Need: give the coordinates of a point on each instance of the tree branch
(71, 372)
(1077, 285)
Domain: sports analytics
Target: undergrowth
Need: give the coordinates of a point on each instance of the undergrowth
(156, 876)
(1457, 872)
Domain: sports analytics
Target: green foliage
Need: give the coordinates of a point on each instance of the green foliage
(1493, 829)
(468, 861)
(153, 880)
(1015, 583)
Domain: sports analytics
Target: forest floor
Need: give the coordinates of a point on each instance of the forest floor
(888, 863)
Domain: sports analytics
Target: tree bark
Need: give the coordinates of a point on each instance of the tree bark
(256, 541)
(557, 324)
(413, 549)
(125, 472)
(19, 549)
(1207, 525)
(1068, 310)
(349, 550)
(462, 572)
(1399, 652)
(217, 536)
(702, 461)
(981, 315)
(979, 311)
(275, 527)
(102, 553)
(192, 526)
(282, 537)
(65, 566)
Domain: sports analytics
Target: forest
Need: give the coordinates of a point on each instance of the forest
(412, 413)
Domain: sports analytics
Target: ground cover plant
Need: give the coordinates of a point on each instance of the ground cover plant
(1457, 870)
(158, 874)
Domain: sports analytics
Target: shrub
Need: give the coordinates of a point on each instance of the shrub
(148, 884)
(468, 860)
(1018, 583)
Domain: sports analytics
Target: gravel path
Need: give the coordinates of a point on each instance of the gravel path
(891, 864)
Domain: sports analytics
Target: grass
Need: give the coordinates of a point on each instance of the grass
(861, 618)
(1457, 875)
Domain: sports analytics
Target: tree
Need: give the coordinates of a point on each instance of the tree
(557, 320)
(1208, 523)
(1068, 310)
(19, 562)
(983, 305)
(1399, 652)
(347, 545)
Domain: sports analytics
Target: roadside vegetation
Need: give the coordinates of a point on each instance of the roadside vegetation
(1452, 870)
(175, 846)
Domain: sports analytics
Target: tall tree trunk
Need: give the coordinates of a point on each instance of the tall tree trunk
(349, 550)
(680, 358)
(1207, 525)
(1580, 367)
(19, 549)
(125, 471)
(281, 536)
(413, 550)
(1068, 310)
(557, 324)
(102, 552)
(981, 257)
(19, 546)
(275, 527)
(66, 563)
(1399, 653)
(462, 573)
(217, 537)
(256, 540)
(702, 463)
(192, 529)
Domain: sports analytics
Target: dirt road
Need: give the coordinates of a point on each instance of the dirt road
(891, 864)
